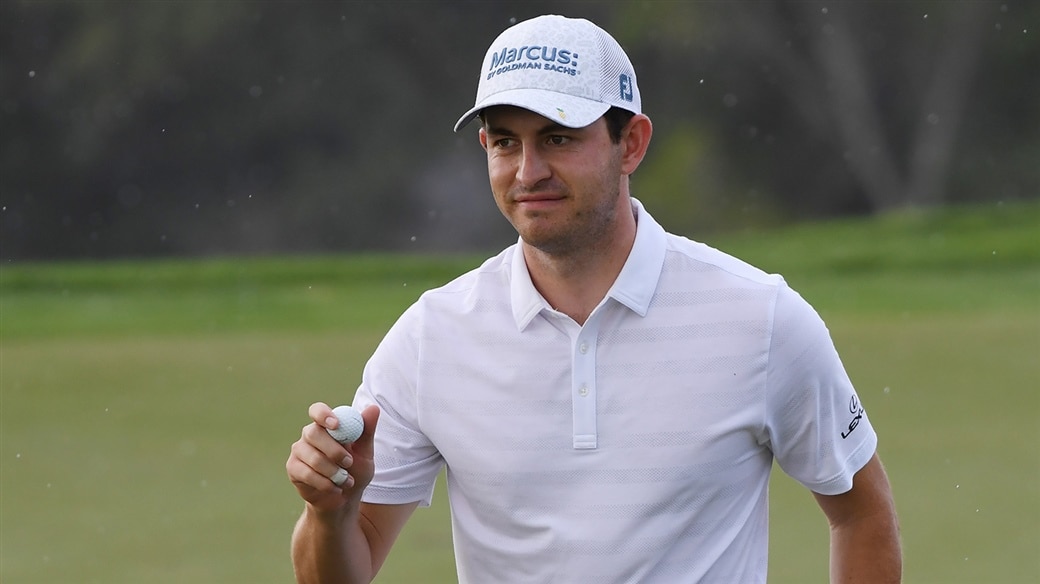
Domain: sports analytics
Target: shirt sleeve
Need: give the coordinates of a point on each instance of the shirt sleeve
(816, 425)
(406, 461)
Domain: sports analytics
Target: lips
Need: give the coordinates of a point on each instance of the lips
(538, 198)
(538, 204)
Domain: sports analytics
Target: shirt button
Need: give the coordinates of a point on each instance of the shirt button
(584, 348)
(584, 391)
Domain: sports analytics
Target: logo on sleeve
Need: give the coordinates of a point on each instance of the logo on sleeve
(857, 411)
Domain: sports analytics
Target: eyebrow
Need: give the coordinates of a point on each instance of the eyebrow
(550, 128)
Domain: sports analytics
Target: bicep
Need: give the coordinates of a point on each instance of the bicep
(381, 525)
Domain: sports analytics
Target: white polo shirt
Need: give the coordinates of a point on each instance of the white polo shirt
(635, 448)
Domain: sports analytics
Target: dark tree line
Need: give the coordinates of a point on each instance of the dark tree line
(191, 128)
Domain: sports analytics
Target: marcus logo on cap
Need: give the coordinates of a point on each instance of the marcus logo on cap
(565, 69)
(543, 58)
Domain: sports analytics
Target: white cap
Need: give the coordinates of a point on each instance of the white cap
(566, 69)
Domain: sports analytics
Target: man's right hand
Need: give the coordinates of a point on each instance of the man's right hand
(315, 458)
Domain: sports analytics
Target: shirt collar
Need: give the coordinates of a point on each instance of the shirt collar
(634, 286)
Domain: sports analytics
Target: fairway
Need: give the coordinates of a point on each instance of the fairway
(146, 409)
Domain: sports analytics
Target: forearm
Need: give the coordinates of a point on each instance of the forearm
(864, 529)
(331, 549)
(867, 551)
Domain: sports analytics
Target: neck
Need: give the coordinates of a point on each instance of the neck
(576, 282)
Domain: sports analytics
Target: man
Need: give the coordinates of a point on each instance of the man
(607, 398)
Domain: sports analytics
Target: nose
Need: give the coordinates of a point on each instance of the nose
(533, 167)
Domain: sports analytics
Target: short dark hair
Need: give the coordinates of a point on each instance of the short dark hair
(616, 118)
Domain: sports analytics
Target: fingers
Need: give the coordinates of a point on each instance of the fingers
(340, 477)
(320, 467)
(322, 415)
(315, 460)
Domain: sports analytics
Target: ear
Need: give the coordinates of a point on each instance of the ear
(635, 139)
(483, 139)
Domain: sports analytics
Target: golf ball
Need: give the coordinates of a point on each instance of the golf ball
(350, 425)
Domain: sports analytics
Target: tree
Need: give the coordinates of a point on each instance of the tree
(171, 128)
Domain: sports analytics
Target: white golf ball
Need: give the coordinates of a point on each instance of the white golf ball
(350, 425)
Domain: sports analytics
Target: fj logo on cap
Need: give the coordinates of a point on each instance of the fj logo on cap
(626, 87)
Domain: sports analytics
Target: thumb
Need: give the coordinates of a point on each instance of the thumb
(364, 444)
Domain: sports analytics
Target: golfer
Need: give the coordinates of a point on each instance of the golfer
(607, 398)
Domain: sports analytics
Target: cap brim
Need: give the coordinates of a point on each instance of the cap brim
(566, 110)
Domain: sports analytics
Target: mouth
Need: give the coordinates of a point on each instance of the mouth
(538, 200)
(538, 206)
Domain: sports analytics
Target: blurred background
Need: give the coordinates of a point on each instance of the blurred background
(164, 128)
(212, 211)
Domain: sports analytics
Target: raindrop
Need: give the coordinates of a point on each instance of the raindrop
(824, 10)
(19, 455)
(413, 238)
(887, 390)
(926, 17)
(32, 74)
(256, 91)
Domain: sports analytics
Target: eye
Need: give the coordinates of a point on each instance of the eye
(503, 142)
(557, 140)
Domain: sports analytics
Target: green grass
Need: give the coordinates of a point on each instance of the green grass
(215, 296)
(147, 408)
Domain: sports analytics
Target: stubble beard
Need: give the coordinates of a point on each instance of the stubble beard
(584, 232)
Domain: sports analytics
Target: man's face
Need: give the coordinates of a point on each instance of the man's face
(558, 186)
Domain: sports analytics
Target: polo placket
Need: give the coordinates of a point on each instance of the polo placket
(583, 382)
